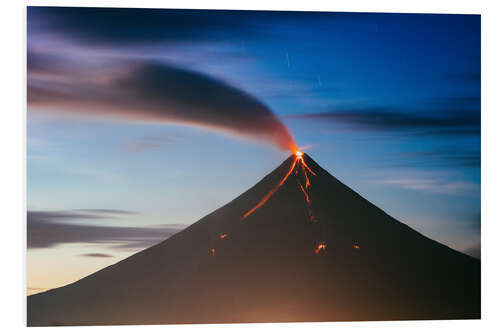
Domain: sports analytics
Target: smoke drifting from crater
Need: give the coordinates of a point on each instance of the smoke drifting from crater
(142, 91)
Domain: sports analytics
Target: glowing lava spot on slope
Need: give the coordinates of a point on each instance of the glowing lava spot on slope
(321, 247)
(223, 236)
(356, 246)
(212, 252)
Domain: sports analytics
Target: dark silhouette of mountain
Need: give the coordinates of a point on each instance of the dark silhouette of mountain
(264, 268)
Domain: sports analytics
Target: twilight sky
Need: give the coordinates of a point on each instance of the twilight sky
(141, 122)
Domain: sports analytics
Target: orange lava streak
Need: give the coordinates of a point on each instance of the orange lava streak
(268, 195)
(304, 163)
(223, 236)
(305, 193)
(304, 168)
(308, 183)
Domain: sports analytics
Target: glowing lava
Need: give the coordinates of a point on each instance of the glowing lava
(319, 248)
(305, 169)
(302, 166)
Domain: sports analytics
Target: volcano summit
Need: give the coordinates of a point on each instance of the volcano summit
(314, 250)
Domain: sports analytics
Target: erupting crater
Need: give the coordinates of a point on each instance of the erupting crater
(301, 168)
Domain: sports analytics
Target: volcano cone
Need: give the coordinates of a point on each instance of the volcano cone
(352, 261)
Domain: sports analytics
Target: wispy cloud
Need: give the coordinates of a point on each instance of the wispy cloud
(441, 122)
(444, 157)
(106, 211)
(432, 185)
(47, 229)
(97, 255)
(120, 27)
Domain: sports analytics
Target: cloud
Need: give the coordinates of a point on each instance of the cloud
(124, 26)
(96, 255)
(432, 185)
(107, 211)
(66, 215)
(115, 27)
(447, 122)
(154, 92)
(444, 158)
(47, 229)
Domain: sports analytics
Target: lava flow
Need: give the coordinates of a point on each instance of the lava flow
(319, 248)
(301, 166)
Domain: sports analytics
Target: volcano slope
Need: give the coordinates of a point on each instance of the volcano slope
(270, 267)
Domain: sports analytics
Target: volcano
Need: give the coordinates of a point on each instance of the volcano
(314, 250)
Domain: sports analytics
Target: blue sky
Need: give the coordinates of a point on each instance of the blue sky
(387, 103)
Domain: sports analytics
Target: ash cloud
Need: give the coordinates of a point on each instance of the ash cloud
(154, 92)
(47, 229)
(112, 81)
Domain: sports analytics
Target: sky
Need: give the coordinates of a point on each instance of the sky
(142, 121)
